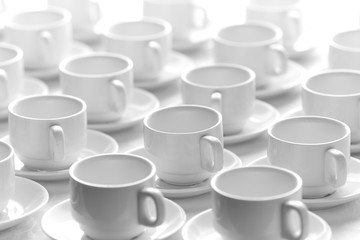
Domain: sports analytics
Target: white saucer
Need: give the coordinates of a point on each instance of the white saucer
(264, 116)
(354, 147)
(142, 103)
(97, 143)
(201, 227)
(53, 73)
(282, 83)
(347, 193)
(193, 41)
(178, 62)
(32, 86)
(29, 197)
(58, 223)
(231, 160)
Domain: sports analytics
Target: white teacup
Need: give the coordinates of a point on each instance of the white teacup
(44, 35)
(186, 143)
(109, 196)
(344, 50)
(228, 88)
(257, 202)
(288, 18)
(48, 132)
(7, 173)
(11, 73)
(146, 42)
(334, 94)
(317, 148)
(257, 45)
(85, 15)
(108, 75)
(184, 16)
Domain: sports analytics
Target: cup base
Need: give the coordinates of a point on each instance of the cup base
(317, 192)
(183, 179)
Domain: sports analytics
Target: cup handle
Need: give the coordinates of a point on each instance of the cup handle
(281, 58)
(155, 49)
(201, 17)
(57, 143)
(159, 203)
(216, 101)
(118, 99)
(300, 208)
(341, 168)
(3, 85)
(95, 12)
(45, 39)
(211, 153)
(294, 25)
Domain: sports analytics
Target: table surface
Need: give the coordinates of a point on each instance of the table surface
(344, 220)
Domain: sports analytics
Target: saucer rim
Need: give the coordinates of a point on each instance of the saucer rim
(158, 82)
(317, 203)
(190, 222)
(267, 94)
(173, 231)
(42, 194)
(33, 80)
(116, 126)
(240, 137)
(193, 192)
(61, 174)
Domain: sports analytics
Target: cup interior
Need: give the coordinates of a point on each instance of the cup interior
(47, 107)
(218, 76)
(7, 54)
(256, 183)
(247, 33)
(35, 18)
(5, 151)
(309, 130)
(348, 39)
(335, 83)
(137, 29)
(113, 170)
(183, 119)
(96, 65)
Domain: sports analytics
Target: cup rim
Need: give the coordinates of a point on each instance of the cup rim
(149, 116)
(14, 103)
(184, 75)
(327, 72)
(64, 64)
(342, 47)
(75, 165)
(165, 24)
(19, 53)
(11, 151)
(66, 18)
(340, 123)
(298, 186)
(276, 38)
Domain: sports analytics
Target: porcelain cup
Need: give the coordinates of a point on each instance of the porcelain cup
(256, 45)
(335, 94)
(109, 75)
(185, 16)
(185, 142)
(259, 202)
(110, 196)
(344, 50)
(228, 88)
(45, 36)
(7, 173)
(85, 15)
(147, 42)
(287, 17)
(48, 132)
(11, 73)
(317, 148)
